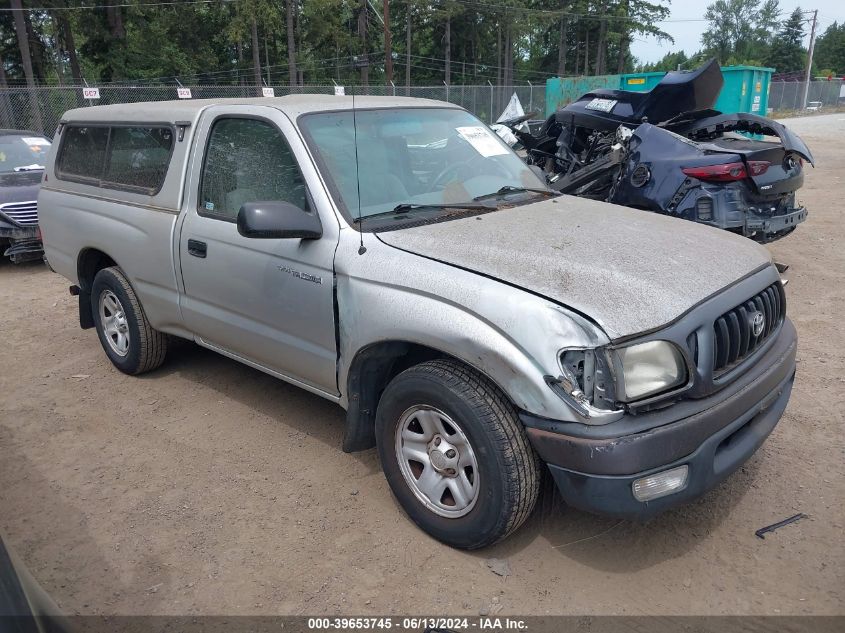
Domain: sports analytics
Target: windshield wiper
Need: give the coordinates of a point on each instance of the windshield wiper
(33, 167)
(511, 189)
(405, 207)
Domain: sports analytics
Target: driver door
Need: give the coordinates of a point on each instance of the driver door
(268, 302)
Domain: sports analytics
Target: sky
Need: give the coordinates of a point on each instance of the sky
(687, 23)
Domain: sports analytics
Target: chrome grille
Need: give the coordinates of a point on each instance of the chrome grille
(23, 213)
(734, 338)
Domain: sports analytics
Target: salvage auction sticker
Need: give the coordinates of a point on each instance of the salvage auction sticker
(601, 105)
(483, 140)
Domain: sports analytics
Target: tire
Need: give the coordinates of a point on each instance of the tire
(490, 480)
(127, 337)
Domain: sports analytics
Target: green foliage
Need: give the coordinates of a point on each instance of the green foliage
(786, 54)
(830, 50)
(512, 40)
(740, 31)
(670, 61)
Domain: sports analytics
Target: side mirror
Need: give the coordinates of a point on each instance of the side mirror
(277, 219)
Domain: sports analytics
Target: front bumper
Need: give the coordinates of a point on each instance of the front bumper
(596, 473)
(24, 244)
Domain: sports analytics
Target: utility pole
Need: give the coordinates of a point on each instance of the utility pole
(807, 77)
(388, 49)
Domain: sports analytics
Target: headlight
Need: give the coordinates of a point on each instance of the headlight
(585, 383)
(649, 368)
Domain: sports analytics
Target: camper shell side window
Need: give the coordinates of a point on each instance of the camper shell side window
(130, 157)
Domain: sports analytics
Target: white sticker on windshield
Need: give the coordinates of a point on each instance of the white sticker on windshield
(483, 140)
(35, 141)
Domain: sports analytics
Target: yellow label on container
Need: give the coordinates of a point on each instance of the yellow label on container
(636, 80)
(758, 87)
(744, 88)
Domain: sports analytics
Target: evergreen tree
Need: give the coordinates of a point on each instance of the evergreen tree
(786, 54)
(830, 49)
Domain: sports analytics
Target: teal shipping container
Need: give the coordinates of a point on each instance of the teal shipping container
(563, 90)
(640, 82)
(746, 88)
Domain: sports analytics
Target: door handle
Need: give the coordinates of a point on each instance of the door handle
(197, 248)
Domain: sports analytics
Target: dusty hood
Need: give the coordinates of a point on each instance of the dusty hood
(630, 271)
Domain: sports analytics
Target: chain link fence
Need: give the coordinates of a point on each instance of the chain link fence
(40, 109)
(787, 96)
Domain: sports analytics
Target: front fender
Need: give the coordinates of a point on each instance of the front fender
(506, 333)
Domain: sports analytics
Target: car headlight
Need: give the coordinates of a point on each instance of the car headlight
(585, 383)
(648, 368)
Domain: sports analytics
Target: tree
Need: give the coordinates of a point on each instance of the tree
(289, 8)
(740, 31)
(670, 61)
(362, 33)
(26, 59)
(23, 42)
(601, 42)
(67, 44)
(830, 49)
(786, 54)
(244, 26)
(508, 42)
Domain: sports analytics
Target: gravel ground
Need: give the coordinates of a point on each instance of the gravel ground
(209, 488)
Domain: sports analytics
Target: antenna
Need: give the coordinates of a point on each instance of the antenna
(361, 249)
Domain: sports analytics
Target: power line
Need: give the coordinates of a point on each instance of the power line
(482, 65)
(559, 14)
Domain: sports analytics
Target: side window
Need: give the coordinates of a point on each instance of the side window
(139, 157)
(83, 151)
(247, 160)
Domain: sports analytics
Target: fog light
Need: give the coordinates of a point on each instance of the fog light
(660, 484)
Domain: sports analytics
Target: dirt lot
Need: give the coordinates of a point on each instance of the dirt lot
(209, 488)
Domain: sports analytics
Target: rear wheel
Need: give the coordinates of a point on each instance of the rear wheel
(127, 337)
(455, 454)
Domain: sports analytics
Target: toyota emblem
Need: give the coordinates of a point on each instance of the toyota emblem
(758, 322)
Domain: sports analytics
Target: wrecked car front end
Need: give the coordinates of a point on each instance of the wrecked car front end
(669, 152)
(19, 237)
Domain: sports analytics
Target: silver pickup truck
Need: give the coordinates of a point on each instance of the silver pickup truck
(395, 257)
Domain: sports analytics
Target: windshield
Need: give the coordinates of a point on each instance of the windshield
(411, 156)
(23, 153)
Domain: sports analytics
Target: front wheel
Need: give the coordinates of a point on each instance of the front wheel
(455, 454)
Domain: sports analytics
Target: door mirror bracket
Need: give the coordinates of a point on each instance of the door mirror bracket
(278, 219)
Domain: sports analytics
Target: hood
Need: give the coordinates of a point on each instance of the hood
(20, 186)
(630, 271)
(682, 91)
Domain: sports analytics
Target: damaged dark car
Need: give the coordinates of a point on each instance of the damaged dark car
(668, 151)
(22, 157)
